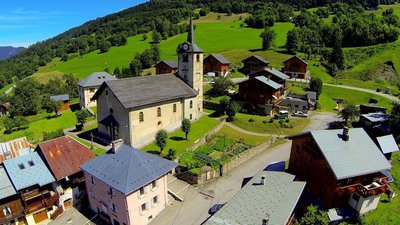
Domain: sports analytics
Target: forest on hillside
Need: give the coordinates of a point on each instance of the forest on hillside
(162, 17)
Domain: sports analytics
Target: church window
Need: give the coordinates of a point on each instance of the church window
(191, 116)
(111, 111)
(197, 58)
(174, 108)
(191, 104)
(159, 112)
(141, 117)
(185, 58)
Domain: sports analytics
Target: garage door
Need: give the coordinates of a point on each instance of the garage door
(39, 217)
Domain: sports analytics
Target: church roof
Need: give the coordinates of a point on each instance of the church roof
(141, 91)
(192, 46)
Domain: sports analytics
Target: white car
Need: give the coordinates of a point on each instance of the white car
(300, 114)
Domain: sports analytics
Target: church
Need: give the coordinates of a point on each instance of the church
(135, 109)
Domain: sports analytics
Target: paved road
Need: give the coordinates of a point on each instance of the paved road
(194, 210)
(391, 97)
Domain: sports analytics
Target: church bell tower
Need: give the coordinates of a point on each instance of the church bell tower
(190, 65)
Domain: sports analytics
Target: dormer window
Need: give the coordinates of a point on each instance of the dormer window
(31, 163)
(21, 166)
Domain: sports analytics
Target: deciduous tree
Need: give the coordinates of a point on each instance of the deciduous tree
(186, 124)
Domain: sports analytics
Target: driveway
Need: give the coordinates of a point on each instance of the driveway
(391, 97)
(194, 210)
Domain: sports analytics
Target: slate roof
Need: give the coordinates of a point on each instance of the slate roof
(14, 148)
(277, 198)
(60, 97)
(266, 81)
(95, 79)
(261, 59)
(172, 64)
(128, 169)
(140, 91)
(295, 57)
(355, 157)
(387, 144)
(6, 188)
(376, 117)
(37, 174)
(64, 156)
(220, 58)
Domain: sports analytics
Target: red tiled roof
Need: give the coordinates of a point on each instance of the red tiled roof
(64, 156)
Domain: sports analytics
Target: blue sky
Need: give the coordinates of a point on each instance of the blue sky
(24, 22)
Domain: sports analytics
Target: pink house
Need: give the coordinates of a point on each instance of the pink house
(127, 186)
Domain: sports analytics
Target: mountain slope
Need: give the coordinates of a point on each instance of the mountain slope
(9, 51)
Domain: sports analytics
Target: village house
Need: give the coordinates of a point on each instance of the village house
(5, 108)
(341, 167)
(35, 184)
(254, 63)
(11, 209)
(376, 124)
(62, 98)
(166, 66)
(260, 95)
(126, 185)
(268, 198)
(273, 74)
(89, 86)
(64, 156)
(135, 109)
(14, 148)
(296, 67)
(218, 64)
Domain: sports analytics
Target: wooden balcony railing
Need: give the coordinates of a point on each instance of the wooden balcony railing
(35, 207)
(52, 200)
(373, 189)
(12, 216)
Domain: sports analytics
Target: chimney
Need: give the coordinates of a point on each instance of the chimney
(263, 180)
(345, 135)
(265, 220)
(115, 145)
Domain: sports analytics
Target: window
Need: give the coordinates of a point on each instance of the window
(191, 104)
(191, 117)
(150, 217)
(174, 108)
(197, 58)
(144, 207)
(92, 90)
(111, 192)
(7, 210)
(31, 163)
(185, 58)
(106, 92)
(141, 117)
(159, 112)
(154, 184)
(111, 111)
(141, 191)
(21, 166)
(114, 208)
(155, 200)
(93, 181)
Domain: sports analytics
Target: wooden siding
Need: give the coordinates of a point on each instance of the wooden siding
(211, 64)
(255, 92)
(162, 68)
(295, 65)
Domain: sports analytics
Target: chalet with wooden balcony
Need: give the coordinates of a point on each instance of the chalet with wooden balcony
(341, 167)
(254, 63)
(273, 74)
(218, 64)
(296, 67)
(11, 209)
(260, 95)
(35, 184)
(64, 156)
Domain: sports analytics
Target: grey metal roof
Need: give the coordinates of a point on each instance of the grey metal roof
(95, 79)
(311, 95)
(30, 175)
(128, 169)
(172, 64)
(387, 144)
(60, 97)
(376, 117)
(355, 157)
(220, 58)
(276, 73)
(141, 91)
(268, 82)
(277, 198)
(6, 188)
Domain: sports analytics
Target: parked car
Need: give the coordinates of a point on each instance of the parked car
(300, 114)
(215, 208)
(281, 115)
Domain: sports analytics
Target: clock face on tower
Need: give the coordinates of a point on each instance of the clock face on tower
(185, 47)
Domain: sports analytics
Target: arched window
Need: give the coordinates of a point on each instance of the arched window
(191, 104)
(159, 112)
(141, 117)
(174, 108)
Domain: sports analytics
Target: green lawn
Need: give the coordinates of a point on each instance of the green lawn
(350, 96)
(261, 124)
(237, 136)
(176, 140)
(388, 212)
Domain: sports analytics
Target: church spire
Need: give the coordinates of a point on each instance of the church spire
(190, 37)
